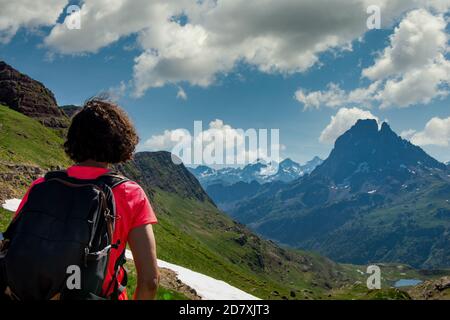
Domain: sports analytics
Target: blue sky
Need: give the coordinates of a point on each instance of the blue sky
(243, 96)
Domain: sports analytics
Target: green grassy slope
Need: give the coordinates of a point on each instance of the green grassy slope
(27, 148)
(413, 228)
(5, 218)
(196, 235)
(25, 141)
(191, 232)
(410, 225)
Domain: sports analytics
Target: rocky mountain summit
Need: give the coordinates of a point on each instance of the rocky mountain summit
(30, 97)
(376, 198)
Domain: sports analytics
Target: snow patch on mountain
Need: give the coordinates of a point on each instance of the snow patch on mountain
(260, 171)
(207, 287)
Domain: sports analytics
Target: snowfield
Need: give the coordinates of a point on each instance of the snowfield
(11, 204)
(208, 288)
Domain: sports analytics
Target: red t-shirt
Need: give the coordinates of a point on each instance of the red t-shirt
(132, 207)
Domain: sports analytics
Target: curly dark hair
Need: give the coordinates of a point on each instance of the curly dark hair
(101, 131)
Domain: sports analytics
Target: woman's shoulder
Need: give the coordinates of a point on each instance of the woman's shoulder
(133, 202)
(130, 191)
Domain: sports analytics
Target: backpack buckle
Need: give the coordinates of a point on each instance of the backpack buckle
(108, 215)
(86, 254)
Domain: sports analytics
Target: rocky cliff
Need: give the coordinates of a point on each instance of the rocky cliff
(30, 97)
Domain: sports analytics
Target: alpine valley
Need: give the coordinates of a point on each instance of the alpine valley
(376, 198)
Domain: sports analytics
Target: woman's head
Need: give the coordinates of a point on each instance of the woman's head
(101, 131)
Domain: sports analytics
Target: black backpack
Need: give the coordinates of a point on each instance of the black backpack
(58, 247)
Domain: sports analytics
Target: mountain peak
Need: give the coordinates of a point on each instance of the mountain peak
(365, 150)
(366, 125)
(158, 171)
(386, 129)
(385, 126)
(29, 97)
(288, 161)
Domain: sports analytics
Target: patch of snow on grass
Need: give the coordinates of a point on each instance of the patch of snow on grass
(207, 287)
(11, 204)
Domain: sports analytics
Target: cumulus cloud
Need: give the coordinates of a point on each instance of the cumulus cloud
(436, 132)
(413, 69)
(407, 134)
(414, 63)
(344, 119)
(28, 14)
(103, 22)
(335, 97)
(195, 41)
(220, 143)
(417, 86)
(216, 35)
(167, 140)
(419, 39)
(117, 92)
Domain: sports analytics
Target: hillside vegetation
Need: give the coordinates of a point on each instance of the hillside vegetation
(27, 149)
(191, 231)
(376, 198)
(26, 141)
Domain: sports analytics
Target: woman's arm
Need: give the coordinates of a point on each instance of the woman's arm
(143, 246)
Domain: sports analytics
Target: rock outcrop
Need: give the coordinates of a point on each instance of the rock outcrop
(432, 290)
(30, 97)
(16, 178)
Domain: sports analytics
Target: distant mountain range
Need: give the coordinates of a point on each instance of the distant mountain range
(376, 197)
(401, 214)
(259, 171)
(192, 232)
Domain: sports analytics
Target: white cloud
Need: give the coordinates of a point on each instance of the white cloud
(436, 132)
(407, 134)
(414, 63)
(335, 97)
(118, 92)
(103, 22)
(288, 38)
(233, 145)
(417, 86)
(419, 39)
(181, 94)
(166, 141)
(344, 119)
(217, 35)
(28, 14)
(413, 69)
